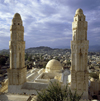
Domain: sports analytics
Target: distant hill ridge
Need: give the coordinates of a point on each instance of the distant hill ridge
(41, 47)
(48, 50)
(45, 49)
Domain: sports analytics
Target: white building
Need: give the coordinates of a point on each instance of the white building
(38, 79)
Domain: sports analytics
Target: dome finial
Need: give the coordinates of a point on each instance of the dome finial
(79, 11)
(17, 15)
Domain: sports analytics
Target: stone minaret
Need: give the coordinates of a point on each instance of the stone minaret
(17, 71)
(79, 52)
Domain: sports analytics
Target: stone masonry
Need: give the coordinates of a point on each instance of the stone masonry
(17, 71)
(79, 52)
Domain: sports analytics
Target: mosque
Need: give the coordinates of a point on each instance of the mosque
(21, 82)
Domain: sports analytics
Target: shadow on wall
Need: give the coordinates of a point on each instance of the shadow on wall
(3, 97)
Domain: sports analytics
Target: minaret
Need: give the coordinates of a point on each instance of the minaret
(17, 71)
(79, 52)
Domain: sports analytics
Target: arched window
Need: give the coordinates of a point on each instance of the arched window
(74, 37)
(19, 59)
(11, 36)
(85, 35)
(18, 23)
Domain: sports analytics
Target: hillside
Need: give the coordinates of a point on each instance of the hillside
(48, 50)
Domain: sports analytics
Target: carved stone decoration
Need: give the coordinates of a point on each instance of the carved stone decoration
(79, 60)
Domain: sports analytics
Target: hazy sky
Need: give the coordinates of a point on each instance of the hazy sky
(48, 22)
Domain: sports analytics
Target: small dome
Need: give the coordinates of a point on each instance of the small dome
(53, 65)
(17, 15)
(79, 11)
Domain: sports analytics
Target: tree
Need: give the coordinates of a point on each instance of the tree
(30, 58)
(68, 63)
(36, 58)
(57, 58)
(26, 56)
(2, 61)
(57, 93)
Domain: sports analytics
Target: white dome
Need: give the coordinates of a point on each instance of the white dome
(53, 65)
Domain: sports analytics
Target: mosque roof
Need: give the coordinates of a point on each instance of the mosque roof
(54, 65)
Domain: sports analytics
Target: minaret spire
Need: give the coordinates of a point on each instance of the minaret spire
(79, 52)
(17, 71)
